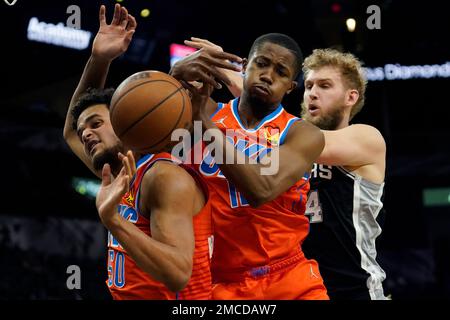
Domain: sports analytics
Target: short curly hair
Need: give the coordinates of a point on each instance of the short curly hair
(89, 98)
(282, 40)
(349, 66)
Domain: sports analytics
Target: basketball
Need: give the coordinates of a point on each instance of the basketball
(146, 108)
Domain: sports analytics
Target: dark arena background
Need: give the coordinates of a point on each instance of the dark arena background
(48, 219)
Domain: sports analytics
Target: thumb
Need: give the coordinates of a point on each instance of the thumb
(106, 175)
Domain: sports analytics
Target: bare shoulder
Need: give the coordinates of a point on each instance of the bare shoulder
(165, 176)
(365, 128)
(303, 130)
(369, 135)
(166, 185)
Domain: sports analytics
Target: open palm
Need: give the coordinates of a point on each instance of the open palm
(113, 39)
(111, 192)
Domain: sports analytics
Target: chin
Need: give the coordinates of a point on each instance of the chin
(261, 101)
(101, 157)
(305, 116)
(317, 121)
(98, 160)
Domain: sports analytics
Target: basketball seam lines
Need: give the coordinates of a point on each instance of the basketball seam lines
(140, 84)
(176, 124)
(150, 111)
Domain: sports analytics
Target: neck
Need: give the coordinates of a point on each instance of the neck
(252, 112)
(344, 123)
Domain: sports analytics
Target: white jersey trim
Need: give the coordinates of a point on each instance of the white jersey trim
(367, 230)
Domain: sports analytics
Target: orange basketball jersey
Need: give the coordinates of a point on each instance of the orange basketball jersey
(126, 280)
(249, 239)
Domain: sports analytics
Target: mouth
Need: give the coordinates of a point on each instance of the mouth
(262, 89)
(313, 109)
(91, 145)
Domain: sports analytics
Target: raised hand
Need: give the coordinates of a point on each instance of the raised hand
(128, 162)
(234, 77)
(110, 193)
(113, 39)
(206, 65)
(199, 43)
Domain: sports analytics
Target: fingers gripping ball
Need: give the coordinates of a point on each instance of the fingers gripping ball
(146, 108)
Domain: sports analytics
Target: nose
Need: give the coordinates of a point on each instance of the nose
(86, 135)
(267, 76)
(312, 94)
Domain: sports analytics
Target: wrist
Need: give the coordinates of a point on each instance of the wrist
(207, 122)
(100, 59)
(198, 115)
(111, 222)
(174, 72)
(203, 116)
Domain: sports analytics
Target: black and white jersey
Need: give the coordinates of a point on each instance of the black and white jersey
(343, 209)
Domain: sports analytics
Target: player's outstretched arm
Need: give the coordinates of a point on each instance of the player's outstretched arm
(168, 192)
(355, 146)
(111, 41)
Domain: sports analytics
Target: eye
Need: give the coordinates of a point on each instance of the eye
(80, 133)
(260, 63)
(281, 72)
(96, 124)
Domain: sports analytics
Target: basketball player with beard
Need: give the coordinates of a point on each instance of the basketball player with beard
(158, 216)
(347, 181)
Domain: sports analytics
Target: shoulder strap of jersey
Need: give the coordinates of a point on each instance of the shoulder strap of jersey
(222, 105)
(142, 166)
(288, 125)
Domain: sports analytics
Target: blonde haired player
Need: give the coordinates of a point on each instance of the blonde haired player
(347, 182)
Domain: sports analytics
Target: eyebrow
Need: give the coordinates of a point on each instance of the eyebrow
(320, 79)
(283, 66)
(92, 116)
(268, 59)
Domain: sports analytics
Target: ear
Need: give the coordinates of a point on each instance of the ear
(293, 86)
(244, 65)
(351, 97)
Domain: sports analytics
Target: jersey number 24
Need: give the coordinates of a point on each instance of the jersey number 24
(313, 208)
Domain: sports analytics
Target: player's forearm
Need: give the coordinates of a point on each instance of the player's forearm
(237, 82)
(245, 174)
(94, 75)
(333, 149)
(163, 262)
